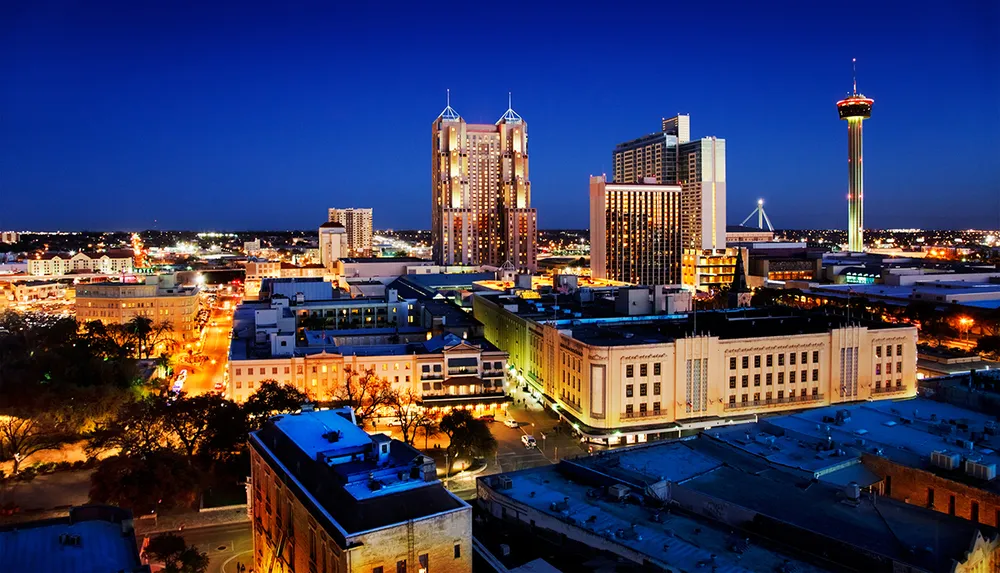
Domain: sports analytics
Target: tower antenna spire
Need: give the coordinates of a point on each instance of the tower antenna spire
(854, 74)
(448, 92)
(510, 105)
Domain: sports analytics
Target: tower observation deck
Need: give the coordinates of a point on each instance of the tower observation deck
(855, 109)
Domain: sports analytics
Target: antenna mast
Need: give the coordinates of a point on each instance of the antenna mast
(854, 74)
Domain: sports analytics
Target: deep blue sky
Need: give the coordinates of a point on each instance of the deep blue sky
(236, 115)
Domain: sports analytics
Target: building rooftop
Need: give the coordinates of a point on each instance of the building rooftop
(396, 260)
(93, 539)
(351, 482)
(678, 541)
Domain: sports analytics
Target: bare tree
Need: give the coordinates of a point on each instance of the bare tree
(22, 437)
(366, 392)
(429, 426)
(409, 413)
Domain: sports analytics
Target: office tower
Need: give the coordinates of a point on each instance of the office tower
(481, 212)
(855, 109)
(332, 243)
(701, 173)
(699, 167)
(358, 223)
(635, 232)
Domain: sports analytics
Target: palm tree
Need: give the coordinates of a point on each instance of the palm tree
(165, 364)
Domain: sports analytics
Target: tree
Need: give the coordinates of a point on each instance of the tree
(429, 428)
(145, 483)
(147, 334)
(365, 392)
(467, 436)
(176, 555)
(22, 437)
(272, 398)
(409, 413)
(165, 364)
(989, 345)
(138, 428)
(187, 418)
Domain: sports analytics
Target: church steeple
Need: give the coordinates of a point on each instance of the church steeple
(739, 291)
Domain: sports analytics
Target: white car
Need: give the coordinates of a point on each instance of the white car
(511, 423)
(529, 441)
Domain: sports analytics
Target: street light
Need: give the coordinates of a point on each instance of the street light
(966, 323)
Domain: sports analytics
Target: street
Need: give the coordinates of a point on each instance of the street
(215, 347)
(226, 545)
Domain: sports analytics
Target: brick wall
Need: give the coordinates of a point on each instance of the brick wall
(914, 486)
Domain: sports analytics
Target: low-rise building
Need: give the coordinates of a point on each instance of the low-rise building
(739, 235)
(326, 496)
(30, 291)
(91, 539)
(708, 269)
(380, 267)
(57, 264)
(622, 378)
(739, 502)
(9, 237)
(159, 299)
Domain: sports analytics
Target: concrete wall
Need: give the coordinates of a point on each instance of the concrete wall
(435, 537)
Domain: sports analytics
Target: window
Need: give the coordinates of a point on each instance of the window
(458, 551)
(781, 377)
(642, 408)
(878, 351)
(756, 396)
(878, 369)
(743, 398)
(732, 400)
(781, 360)
(781, 394)
(377, 569)
(930, 497)
(756, 379)
(803, 376)
(656, 370)
(274, 370)
(746, 362)
(951, 505)
(899, 382)
(745, 381)
(732, 363)
(805, 357)
(656, 407)
(238, 371)
(401, 566)
(628, 390)
(767, 379)
(756, 361)
(425, 368)
(250, 384)
(642, 389)
(424, 561)
(803, 392)
(888, 350)
(791, 377)
(288, 369)
(815, 392)
(643, 370)
(656, 388)
(899, 368)
(791, 359)
(815, 356)
(767, 396)
(815, 375)
(732, 382)
(628, 409)
(250, 371)
(629, 371)
(239, 384)
(770, 360)
(899, 350)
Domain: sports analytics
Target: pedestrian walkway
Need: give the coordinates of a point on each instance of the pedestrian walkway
(190, 520)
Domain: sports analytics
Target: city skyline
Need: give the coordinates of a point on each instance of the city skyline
(298, 102)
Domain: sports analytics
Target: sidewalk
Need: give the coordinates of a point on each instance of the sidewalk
(190, 520)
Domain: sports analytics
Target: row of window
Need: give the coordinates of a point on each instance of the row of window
(888, 368)
(426, 368)
(643, 370)
(768, 378)
(423, 561)
(744, 398)
(643, 388)
(643, 409)
(888, 350)
(769, 359)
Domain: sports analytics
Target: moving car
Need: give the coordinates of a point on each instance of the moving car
(511, 423)
(529, 441)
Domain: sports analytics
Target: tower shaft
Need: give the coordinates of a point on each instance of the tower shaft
(856, 186)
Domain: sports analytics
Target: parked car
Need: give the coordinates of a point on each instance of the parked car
(393, 422)
(529, 442)
(488, 418)
(511, 423)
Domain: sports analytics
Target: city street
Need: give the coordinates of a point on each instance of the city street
(226, 545)
(215, 346)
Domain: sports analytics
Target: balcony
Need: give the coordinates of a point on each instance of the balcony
(625, 416)
(774, 402)
(888, 390)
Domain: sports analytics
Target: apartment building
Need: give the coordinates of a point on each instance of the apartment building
(159, 298)
(358, 224)
(624, 378)
(327, 497)
(107, 263)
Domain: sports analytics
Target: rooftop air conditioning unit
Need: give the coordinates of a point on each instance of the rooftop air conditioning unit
(977, 469)
(945, 459)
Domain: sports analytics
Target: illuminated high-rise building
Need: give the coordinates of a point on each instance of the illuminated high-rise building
(670, 157)
(358, 224)
(855, 109)
(481, 212)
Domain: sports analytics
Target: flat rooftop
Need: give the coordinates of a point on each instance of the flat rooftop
(356, 260)
(679, 541)
(37, 547)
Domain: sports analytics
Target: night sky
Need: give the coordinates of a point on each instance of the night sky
(242, 115)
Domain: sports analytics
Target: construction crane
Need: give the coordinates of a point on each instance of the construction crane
(761, 217)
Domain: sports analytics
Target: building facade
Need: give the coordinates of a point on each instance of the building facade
(108, 263)
(699, 167)
(160, 299)
(635, 232)
(9, 237)
(358, 223)
(481, 203)
(328, 498)
(333, 243)
(707, 269)
(625, 378)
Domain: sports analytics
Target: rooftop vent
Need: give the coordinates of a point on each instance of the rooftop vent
(334, 436)
(945, 459)
(977, 469)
